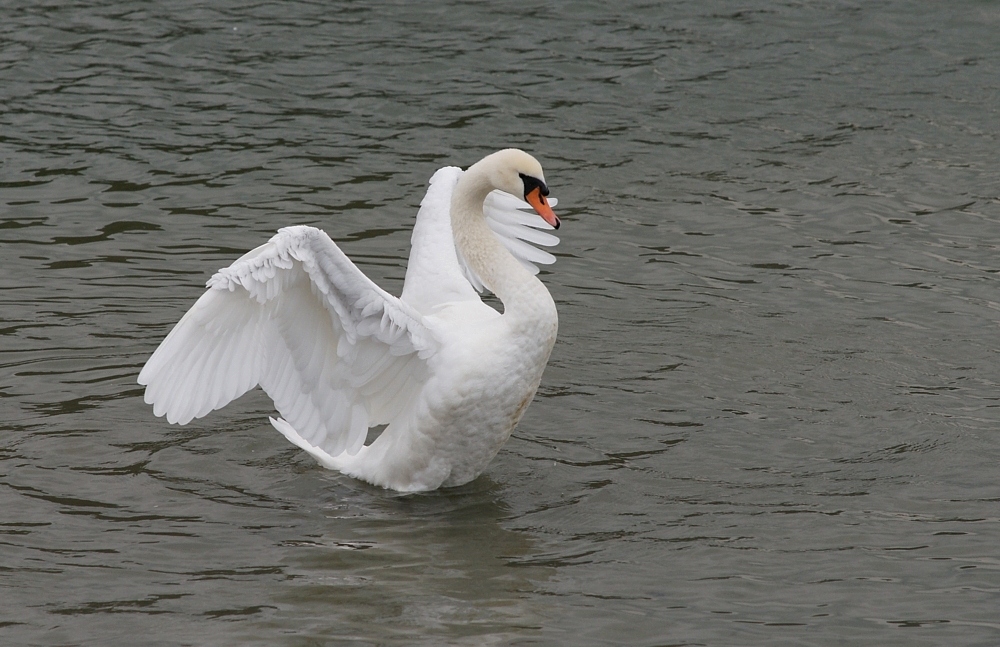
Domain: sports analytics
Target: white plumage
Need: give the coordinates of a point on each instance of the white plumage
(449, 375)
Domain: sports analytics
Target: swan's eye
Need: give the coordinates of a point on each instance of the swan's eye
(532, 183)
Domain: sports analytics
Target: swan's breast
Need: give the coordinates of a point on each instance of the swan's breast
(482, 386)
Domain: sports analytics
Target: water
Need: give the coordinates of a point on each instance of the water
(771, 417)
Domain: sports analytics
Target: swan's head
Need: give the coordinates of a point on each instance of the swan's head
(520, 174)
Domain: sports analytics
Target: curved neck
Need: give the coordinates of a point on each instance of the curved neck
(499, 271)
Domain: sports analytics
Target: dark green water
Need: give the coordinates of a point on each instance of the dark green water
(772, 414)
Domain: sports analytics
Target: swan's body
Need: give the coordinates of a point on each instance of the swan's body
(448, 374)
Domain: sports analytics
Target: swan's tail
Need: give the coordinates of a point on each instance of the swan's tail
(293, 436)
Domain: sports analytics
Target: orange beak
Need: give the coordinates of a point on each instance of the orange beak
(541, 205)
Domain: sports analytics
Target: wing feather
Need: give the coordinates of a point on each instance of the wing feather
(433, 273)
(517, 231)
(437, 274)
(333, 350)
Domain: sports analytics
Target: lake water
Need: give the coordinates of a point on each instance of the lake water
(773, 413)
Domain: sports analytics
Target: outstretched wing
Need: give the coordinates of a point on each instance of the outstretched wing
(436, 273)
(433, 273)
(335, 352)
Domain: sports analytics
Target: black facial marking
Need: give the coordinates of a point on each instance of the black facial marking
(530, 183)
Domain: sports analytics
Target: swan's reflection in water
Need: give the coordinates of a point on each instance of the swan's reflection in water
(411, 567)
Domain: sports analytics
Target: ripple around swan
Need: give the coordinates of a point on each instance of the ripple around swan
(771, 413)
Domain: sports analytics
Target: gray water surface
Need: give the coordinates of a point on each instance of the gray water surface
(771, 417)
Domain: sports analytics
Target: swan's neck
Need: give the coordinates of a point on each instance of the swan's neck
(500, 272)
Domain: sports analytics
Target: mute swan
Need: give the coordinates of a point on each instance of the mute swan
(448, 374)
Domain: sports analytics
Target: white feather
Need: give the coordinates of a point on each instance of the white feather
(261, 322)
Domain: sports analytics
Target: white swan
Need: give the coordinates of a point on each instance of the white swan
(448, 374)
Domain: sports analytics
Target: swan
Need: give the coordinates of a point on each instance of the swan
(448, 375)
